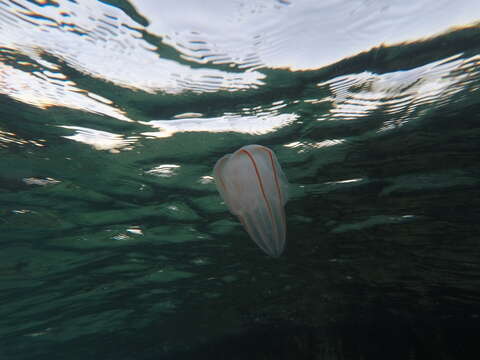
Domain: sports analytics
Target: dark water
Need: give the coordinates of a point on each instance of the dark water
(114, 241)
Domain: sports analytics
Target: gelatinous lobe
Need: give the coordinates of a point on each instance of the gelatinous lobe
(255, 189)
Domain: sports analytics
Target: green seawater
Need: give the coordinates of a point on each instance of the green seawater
(115, 243)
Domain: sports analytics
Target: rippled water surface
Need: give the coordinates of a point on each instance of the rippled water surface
(115, 243)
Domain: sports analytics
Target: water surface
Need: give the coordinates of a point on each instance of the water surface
(114, 241)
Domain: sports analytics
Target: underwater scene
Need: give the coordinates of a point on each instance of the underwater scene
(243, 179)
